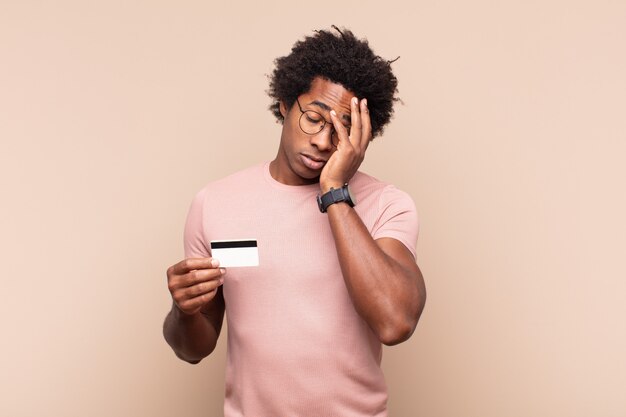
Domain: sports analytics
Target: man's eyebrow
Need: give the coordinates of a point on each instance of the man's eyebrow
(327, 108)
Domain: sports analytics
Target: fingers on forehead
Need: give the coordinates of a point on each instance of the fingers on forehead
(367, 124)
(365, 115)
(355, 114)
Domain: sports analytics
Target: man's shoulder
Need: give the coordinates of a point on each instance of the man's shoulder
(235, 181)
(370, 187)
(365, 183)
(362, 179)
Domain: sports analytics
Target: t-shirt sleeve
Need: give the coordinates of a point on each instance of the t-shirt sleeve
(193, 240)
(397, 218)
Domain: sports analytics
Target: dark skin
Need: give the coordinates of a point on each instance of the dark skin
(381, 276)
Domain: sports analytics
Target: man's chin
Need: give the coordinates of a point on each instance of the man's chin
(308, 175)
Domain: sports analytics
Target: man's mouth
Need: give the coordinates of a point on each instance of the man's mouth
(312, 162)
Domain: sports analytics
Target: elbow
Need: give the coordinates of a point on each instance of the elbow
(401, 329)
(396, 334)
(192, 361)
(397, 331)
(194, 357)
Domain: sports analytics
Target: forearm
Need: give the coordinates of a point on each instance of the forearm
(190, 336)
(384, 293)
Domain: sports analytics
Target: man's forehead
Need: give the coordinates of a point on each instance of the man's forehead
(328, 96)
(326, 107)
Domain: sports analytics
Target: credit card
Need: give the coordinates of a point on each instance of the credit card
(232, 253)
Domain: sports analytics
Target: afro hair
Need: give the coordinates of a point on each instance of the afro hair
(340, 58)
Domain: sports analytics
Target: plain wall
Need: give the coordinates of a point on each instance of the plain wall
(511, 140)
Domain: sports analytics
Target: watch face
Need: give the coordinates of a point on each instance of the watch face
(336, 195)
(319, 203)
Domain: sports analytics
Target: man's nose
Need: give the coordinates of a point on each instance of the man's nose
(324, 139)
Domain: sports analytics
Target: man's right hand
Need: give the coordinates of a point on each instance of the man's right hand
(193, 282)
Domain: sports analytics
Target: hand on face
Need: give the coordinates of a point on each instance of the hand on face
(350, 153)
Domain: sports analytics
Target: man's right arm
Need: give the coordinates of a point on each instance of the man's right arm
(193, 325)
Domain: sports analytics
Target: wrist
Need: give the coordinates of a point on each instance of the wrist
(181, 315)
(327, 185)
(335, 194)
(339, 207)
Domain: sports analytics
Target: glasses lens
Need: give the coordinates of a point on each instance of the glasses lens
(311, 122)
(334, 137)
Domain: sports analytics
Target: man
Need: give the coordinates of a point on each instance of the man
(337, 274)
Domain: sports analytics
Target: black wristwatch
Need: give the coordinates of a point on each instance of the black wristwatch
(336, 195)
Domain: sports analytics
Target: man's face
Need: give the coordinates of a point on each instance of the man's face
(302, 156)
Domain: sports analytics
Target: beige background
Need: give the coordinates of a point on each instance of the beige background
(511, 140)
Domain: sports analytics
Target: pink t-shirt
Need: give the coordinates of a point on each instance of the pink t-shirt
(296, 345)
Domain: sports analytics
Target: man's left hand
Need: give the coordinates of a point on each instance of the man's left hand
(350, 153)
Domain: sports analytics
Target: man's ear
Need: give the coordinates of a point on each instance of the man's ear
(283, 109)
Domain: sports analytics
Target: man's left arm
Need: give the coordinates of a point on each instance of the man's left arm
(382, 277)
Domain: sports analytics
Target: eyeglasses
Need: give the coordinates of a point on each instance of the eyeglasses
(312, 123)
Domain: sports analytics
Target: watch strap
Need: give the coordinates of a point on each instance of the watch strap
(335, 195)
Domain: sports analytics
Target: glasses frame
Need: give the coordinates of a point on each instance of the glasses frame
(333, 131)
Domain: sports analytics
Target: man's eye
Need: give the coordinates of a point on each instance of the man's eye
(313, 119)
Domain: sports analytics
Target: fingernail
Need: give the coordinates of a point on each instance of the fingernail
(222, 271)
(355, 100)
(215, 263)
(365, 101)
(334, 113)
(221, 281)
